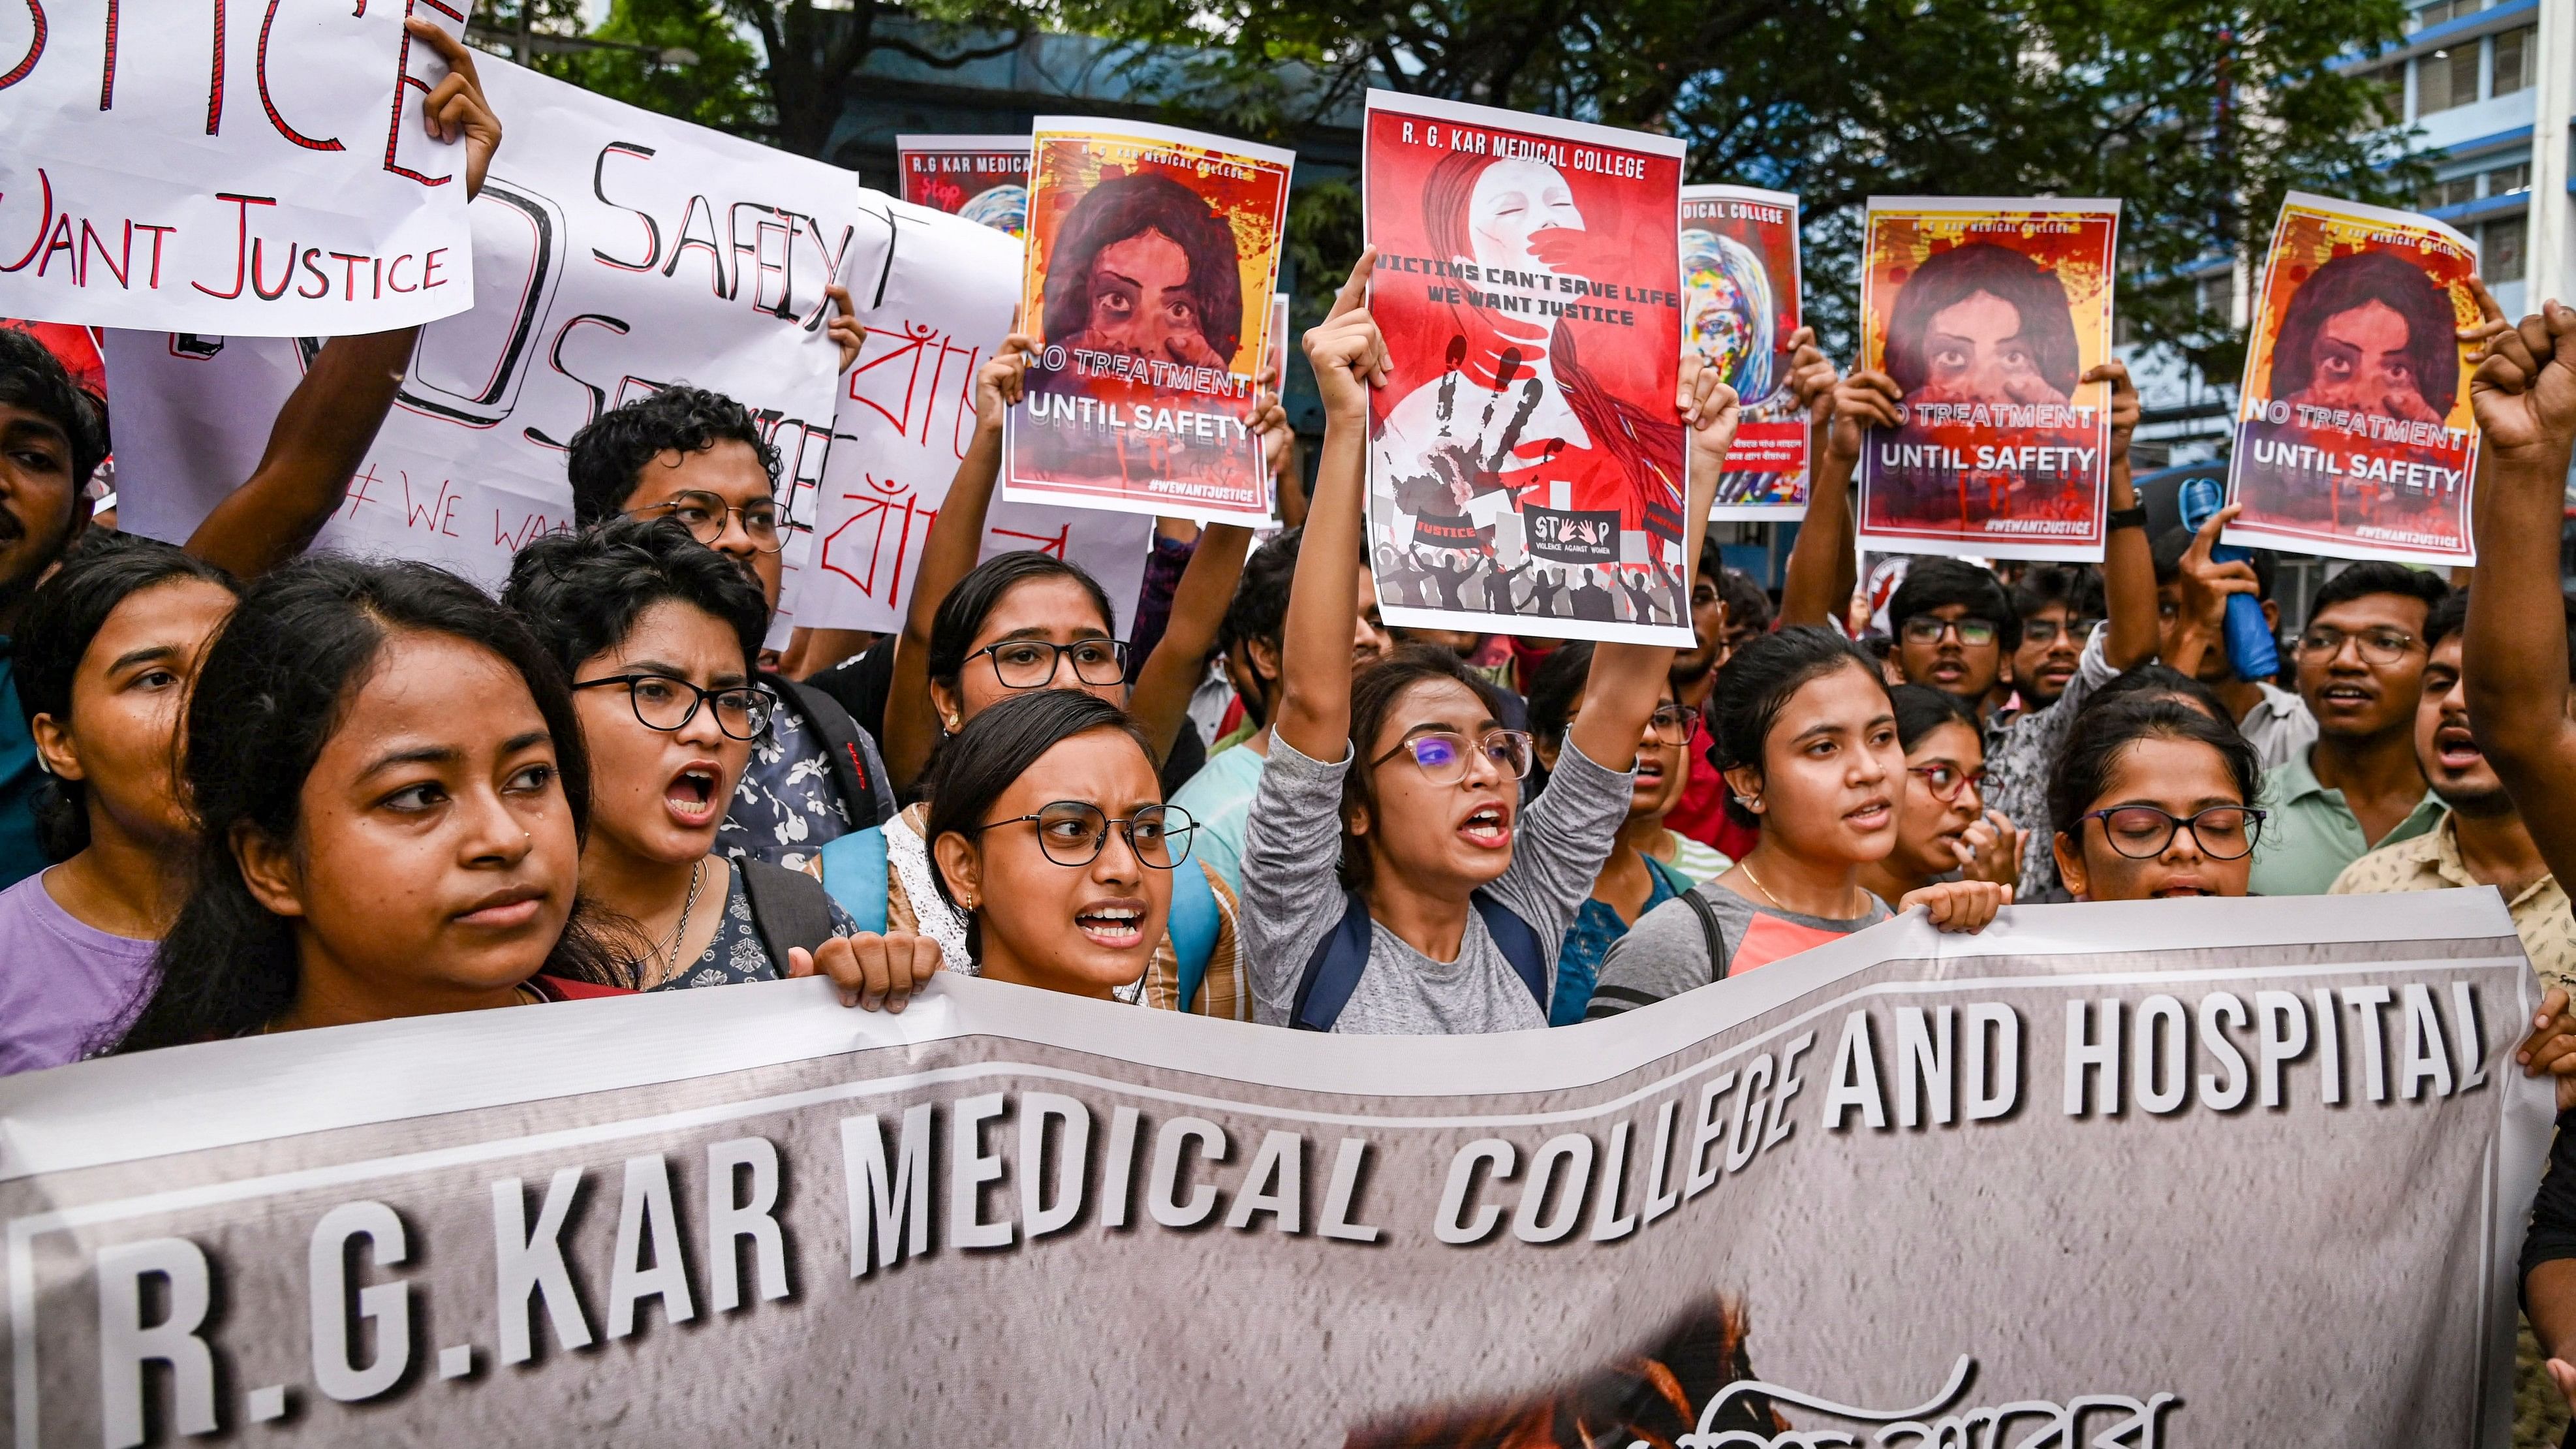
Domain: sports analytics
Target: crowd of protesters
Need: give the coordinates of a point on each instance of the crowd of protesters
(247, 788)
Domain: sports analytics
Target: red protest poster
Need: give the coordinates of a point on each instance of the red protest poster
(1740, 294)
(981, 178)
(1152, 258)
(1526, 473)
(2354, 437)
(1986, 313)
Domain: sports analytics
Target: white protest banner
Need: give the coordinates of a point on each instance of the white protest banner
(935, 293)
(2203, 1174)
(618, 252)
(246, 170)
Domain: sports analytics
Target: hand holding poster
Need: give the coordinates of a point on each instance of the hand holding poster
(1740, 297)
(1527, 472)
(984, 179)
(2095, 1177)
(626, 253)
(935, 295)
(1152, 254)
(1987, 314)
(277, 181)
(2355, 437)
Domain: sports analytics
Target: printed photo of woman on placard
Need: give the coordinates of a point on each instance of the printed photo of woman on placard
(1986, 314)
(2353, 431)
(1152, 258)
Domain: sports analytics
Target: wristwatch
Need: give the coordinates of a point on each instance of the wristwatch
(2126, 517)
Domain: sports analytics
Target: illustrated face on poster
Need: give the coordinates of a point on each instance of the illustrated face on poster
(984, 179)
(2355, 437)
(1526, 473)
(936, 295)
(1740, 294)
(1152, 257)
(1987, 314)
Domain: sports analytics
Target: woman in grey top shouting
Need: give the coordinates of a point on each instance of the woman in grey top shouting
(1405, 786)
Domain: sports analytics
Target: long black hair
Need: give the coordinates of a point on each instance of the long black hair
(275, 688)
(581, 593)
(1921, 709)
(1758, 682)
(1132, 205)
(963, 612)
(992, 751)
(2100, 736)
(64, 614)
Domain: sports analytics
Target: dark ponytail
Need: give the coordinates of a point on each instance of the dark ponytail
(274, 689)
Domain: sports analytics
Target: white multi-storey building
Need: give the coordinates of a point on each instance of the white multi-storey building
(2487, 85)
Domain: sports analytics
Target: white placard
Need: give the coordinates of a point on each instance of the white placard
(618, 252)
(244, 169)
(936, 294)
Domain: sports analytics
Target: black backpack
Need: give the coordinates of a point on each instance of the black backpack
(788, 908)
(1333, 971)
(840, 736)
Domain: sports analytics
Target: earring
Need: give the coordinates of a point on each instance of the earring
(950, 724)
(966, 904)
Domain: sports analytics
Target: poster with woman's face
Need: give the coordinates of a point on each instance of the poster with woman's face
(984, 179)
(1152, 255)
(2354, 436)
(1740, 291)
(1987, 313)
(1526, 468)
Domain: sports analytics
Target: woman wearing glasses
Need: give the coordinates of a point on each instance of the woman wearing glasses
(1807, 738)
(1053, 844)
(1943, 827)
(1649, 863)
(659, 638)
(2152, 799)
(1454, 898)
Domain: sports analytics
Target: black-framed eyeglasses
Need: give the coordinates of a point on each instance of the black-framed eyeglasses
(2141, 832)
(664, 703)
(1442, 755)
(1074, 832)
(704, 515)
(2378, 646)
(1928, 629)
(2045, 632)
(1032, 663)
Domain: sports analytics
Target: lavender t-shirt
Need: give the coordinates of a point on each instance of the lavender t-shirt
(60, 981)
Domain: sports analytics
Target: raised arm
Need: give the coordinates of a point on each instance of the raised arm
(1627, 680)
(2514, 650)
(323, 432)
(1823, 567)
(2128, 561)
(1161, 698)
(1323, 610)
(948, 554)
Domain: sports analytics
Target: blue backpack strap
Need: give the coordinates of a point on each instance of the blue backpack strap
(854, 871)
(1333, 972)
(1192, 923)
(1518, 943)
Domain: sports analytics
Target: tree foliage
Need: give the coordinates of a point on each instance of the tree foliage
(2197, 114)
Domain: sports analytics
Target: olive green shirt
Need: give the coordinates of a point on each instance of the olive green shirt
(2310, 834)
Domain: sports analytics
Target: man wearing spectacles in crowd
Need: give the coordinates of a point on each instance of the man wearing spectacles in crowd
(2360, 665)
(698, 459)
(2480, 839)
(2058, 606)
